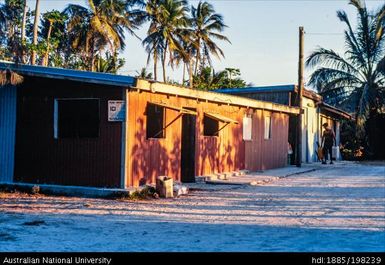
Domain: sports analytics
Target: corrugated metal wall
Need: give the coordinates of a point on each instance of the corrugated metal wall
(263, 154)
(7, 132)
(40, 158)
(148, 158)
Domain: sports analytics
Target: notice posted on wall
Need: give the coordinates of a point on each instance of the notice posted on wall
(116, 110)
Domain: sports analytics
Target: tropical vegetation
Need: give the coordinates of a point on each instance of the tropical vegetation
(356, 80)
(208, 79)
(92, 36)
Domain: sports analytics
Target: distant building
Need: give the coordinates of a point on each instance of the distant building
(81, 128)
(316, 113)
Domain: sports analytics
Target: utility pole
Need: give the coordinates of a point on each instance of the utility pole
(299, 93)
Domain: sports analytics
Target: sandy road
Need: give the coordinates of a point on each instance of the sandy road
(339, 208)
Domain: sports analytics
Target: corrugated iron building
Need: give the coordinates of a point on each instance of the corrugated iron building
(91, 129)
(316, 113)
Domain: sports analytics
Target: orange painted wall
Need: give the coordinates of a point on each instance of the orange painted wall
(264, 154)
(148, 158)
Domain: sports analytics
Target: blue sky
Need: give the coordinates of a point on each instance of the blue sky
(264, 35)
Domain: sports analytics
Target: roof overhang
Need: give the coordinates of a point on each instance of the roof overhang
(67, 74)
(220, 118)
(179, 109)
(144, 85)
(261, 89)
(270, 89)
(338, 112)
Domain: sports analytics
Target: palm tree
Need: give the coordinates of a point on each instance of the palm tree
(143, 74)
(23, 29)
(109, 64)
(153, 43)
(168, 19)
(102, 23)
(189, 47)
(208, 27)
(24, 21)
(10, 20)
(3, 21)
(35, 31)
(359, 76)
(50, 18)
(231, 73)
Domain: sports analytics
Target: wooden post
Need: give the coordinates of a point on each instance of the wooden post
(300, 91)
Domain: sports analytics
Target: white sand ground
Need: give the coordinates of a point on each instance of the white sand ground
(339, 208)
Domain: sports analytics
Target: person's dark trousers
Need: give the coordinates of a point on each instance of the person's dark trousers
(328, 152)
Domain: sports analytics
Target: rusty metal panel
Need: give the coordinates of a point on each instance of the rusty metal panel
(40, 158)
(7, 132)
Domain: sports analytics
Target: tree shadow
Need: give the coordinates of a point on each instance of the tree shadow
(154, 157)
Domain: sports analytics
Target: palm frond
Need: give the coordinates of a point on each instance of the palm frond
(330, 59)
(329, 78)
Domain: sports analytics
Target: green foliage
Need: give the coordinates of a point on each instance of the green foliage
(184, 37)
(142, 194)
(108, 64)
(352, 148)
(357, 78)
(206, 27)
(143, 74)
(80, 37)
(101, 26)
(168, 19)
(11, 17)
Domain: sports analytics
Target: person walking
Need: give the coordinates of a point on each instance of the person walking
(328, 140)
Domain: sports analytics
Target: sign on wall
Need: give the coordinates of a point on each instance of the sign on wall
(247, 128)
(117, 110)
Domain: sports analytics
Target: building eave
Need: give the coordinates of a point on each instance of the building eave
(68, 74)
(261, 89)
(145, 85)
(336, 111)
(199, 95)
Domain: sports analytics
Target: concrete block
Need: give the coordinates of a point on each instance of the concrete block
(180, 190)
(164, 187)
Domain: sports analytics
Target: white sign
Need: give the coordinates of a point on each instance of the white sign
(247, 128)
(116, 110)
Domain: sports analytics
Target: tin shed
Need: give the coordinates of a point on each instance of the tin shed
(315, 113)
(92, 129)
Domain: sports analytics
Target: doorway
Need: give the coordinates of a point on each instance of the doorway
(188, 148)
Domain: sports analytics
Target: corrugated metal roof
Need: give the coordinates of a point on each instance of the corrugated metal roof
(335, 110)
(245, 90)
(75, 75)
